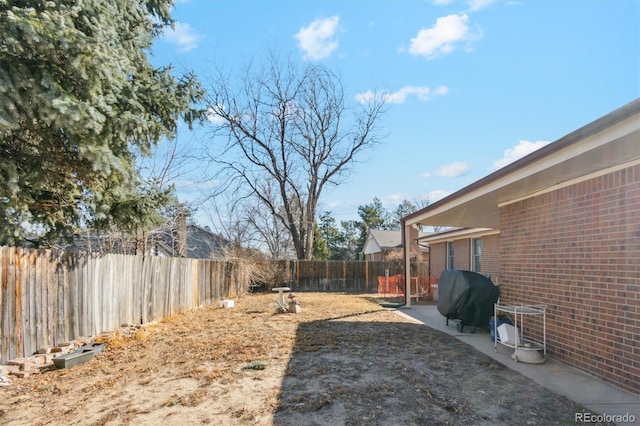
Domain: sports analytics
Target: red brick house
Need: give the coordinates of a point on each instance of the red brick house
(560, 227)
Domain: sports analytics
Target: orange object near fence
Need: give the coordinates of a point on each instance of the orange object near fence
(394, 285)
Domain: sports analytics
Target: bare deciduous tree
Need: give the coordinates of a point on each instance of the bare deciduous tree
(288, 135)
(243, 222)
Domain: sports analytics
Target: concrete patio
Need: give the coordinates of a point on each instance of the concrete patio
(554, 375)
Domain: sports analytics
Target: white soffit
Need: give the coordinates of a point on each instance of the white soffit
(612, 146)
(459, 234)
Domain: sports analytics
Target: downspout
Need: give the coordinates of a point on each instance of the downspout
(406, 248)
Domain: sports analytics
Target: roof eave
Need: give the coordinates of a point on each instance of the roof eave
(453, 209)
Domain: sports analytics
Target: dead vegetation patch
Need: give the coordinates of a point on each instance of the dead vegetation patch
(342, 360)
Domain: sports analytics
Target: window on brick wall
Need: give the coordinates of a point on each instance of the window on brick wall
(450, 255)
(476, 254)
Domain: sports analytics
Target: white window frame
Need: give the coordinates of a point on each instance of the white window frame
(450, 255)
(476, 255)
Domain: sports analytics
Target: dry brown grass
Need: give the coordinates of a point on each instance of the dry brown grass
(344, 359)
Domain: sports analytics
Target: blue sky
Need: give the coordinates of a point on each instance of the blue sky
(474, 84)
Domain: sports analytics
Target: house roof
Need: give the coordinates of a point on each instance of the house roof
(609, 143)
(386, 239)
(201, 243)
(379, 240)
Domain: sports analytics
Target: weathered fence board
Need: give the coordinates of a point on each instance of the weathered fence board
(49, 296)
(343, 276)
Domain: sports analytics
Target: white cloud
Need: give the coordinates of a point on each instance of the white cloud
(436, 195)
(442, 37)
(476, 5)
(183, 36)
(423, 93)
(520, 150)
(213, 117)
(392, 200)
(441, 90)
(317, 39)
(455, 169)
(365, 97)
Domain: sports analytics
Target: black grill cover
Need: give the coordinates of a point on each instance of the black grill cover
(467, 296)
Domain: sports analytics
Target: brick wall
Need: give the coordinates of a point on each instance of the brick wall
(462, 254)
(438, 258)
(577, 250)
(490, 259)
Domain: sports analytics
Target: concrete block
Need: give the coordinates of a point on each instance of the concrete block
(24, 364)
(24, 374)
(64, 348)
(10, 369)
(40, 359)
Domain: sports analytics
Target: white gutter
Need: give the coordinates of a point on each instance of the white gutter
(460, 234)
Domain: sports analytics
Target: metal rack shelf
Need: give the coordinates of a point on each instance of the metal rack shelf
(522, 344)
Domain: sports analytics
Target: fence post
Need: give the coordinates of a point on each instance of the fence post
(196, 302)
(366, 274)
(327, 281)
(344, 273)
(17, 255)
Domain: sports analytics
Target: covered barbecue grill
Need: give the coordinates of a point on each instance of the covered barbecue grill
(467, 297)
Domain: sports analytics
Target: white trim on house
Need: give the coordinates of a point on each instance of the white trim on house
(472, 254)
(574, 181)
(459, 234)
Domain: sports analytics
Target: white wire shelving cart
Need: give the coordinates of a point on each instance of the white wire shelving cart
(525, 347)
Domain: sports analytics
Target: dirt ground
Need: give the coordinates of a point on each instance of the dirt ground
(343, 360)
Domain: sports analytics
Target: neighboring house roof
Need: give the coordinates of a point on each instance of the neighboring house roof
(605, 145)
(382, 240)
(201, 244)
(379, 240)
(104, 242)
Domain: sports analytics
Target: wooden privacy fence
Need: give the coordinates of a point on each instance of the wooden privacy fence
(345, 276)
(48, 297)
